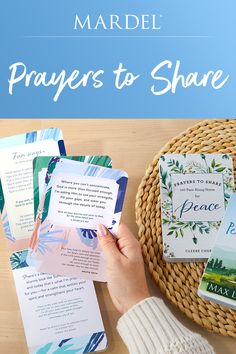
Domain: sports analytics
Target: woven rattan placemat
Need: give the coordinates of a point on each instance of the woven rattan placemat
(179, 281)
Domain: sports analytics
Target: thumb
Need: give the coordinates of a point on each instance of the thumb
(107, 243)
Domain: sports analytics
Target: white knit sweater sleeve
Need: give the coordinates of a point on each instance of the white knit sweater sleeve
(150, 328)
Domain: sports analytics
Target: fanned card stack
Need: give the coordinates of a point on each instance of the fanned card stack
(50, 206)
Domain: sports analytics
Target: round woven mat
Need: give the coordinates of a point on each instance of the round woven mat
(179, 281)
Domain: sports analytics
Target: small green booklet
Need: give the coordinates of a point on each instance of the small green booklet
(218, 282)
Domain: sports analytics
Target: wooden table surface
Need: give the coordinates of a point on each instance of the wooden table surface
(132, 145)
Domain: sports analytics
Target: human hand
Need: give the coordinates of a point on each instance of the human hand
(126, 279)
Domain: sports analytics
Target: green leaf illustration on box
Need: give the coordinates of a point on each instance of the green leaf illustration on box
(195, 189)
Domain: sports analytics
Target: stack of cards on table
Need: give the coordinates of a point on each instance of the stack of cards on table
(50, 206)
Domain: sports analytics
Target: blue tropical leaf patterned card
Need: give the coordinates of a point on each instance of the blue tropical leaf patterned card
(77, 196)
(218, 282)
(16, 184)
(195, 190)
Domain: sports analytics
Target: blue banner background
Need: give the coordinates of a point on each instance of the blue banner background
(201, 34)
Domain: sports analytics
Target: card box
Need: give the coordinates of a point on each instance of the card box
(195, 189)
(218, 282)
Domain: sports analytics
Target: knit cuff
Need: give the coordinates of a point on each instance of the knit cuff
(149, 327)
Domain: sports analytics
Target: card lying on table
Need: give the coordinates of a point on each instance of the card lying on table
(195, 189)
(77, 196)
(59, 314)
(218, 283)
(16, 185)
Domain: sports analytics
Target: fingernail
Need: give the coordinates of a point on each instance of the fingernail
(101, 230)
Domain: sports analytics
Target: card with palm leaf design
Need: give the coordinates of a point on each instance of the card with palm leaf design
(16, 185)
(77, 195)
